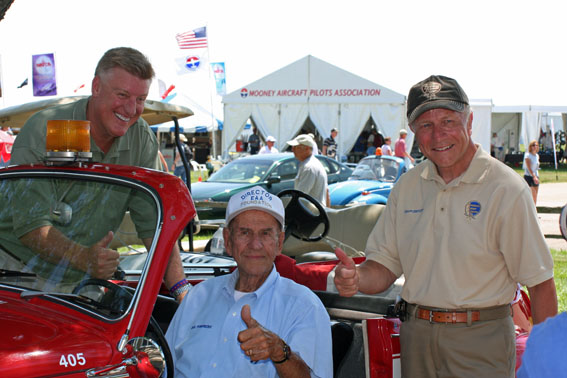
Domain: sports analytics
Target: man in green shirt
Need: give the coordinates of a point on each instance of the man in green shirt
(118, 136)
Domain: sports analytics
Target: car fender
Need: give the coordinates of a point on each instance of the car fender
(369, 199)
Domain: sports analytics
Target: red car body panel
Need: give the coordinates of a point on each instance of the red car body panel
(44, 337)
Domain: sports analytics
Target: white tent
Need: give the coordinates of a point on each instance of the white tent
(331, 97)
(517, 125)
(482, 122)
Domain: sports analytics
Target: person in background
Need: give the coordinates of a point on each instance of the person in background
(163, 162)
(330, 144)
(119, 135)
(474, 235)
(252, 322)
(177, 166)
(386, 149)
(370, 150)
(8, 130)
(315, 146)
(210, 166)
(497, 147)
(400, 149)
(311, 175)
(254, 141)
(531, 167)
(269, 147)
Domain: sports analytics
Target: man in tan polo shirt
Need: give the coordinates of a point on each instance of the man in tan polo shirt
(463, 230)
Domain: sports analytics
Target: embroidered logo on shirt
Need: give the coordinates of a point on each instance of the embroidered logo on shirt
(413, 211)
(202, 326)
(472, 209)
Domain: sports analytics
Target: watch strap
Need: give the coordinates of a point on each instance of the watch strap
(287, 352)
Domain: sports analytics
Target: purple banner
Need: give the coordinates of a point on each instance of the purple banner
(43, 67)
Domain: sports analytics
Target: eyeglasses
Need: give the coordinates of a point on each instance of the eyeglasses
(245, 235)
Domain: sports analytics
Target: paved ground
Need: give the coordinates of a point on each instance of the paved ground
(553, 195)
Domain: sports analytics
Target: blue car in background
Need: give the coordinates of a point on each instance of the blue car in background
(370, 183)
(274, 172)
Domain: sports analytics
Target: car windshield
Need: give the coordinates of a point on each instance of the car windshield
(376, 169)
(242, 171)
(52, 228)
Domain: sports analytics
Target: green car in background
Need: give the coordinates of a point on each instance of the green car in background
(274, 172)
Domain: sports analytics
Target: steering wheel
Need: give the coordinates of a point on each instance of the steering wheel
(300, 220)
(116, 299)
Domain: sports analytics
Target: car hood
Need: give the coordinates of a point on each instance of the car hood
(343, 192)
(216, 191)
(35, 336)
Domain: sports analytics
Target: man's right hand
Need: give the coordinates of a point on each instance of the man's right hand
(101, 261)
(346, 275)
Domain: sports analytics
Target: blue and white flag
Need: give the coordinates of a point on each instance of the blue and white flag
(190, 64)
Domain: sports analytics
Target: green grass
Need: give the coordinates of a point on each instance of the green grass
(195, 176)
(548, 174)
(560, 274)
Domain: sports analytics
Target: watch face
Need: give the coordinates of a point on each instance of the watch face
(286, 351)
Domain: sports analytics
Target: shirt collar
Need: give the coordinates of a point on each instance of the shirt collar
(270, 281)
(302, 163)
(475, 173)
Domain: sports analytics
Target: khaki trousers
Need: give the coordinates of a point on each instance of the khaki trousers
(483, 349)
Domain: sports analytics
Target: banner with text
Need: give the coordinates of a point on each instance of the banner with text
(220, 77)
(43, 68)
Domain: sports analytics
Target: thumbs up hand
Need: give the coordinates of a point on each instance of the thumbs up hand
(257, 342)
(346, 275)
(102, 262)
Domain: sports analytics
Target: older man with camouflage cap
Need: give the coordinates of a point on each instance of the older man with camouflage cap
(463, 230)
(253, 322)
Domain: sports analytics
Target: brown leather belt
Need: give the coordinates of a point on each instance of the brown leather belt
(460, 316)
(447, 317)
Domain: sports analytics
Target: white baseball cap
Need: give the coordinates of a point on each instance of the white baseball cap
(304, 139)
(270, 139)
(256, 198)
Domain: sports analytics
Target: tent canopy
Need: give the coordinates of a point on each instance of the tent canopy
(154, 111)
(331, 97)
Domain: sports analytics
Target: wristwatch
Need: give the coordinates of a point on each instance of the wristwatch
(287, 352)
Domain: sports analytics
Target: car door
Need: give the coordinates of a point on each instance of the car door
(287, 171)
(332, 169)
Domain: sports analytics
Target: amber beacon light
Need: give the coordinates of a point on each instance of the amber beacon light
(68, 140)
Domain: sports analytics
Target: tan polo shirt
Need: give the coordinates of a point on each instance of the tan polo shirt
(464, 244)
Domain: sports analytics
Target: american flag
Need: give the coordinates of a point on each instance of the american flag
(194, 39)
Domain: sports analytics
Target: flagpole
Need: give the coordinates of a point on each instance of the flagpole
(214, 154)
(554, 152)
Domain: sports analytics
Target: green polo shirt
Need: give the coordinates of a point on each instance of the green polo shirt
(97, 208)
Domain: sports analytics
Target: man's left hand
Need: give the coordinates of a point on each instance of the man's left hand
(257, 342)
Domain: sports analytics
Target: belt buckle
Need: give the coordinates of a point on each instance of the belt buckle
(431, 317)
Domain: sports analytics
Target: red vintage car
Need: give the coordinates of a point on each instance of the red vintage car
(58, 321)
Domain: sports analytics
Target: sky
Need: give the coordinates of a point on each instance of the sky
(511, 52)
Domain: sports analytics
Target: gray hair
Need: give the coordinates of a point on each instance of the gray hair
(127, 58)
